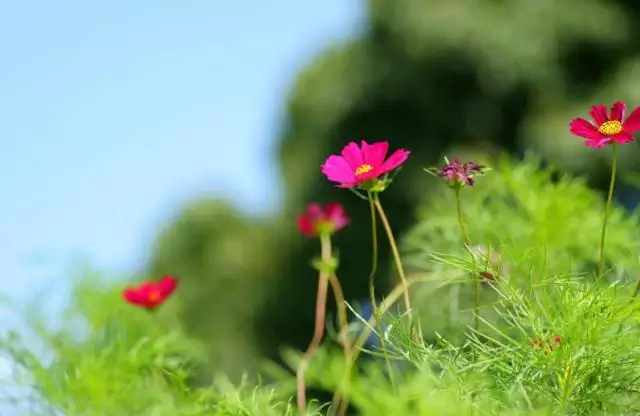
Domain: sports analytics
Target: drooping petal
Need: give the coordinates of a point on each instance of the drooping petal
(396, 159)
(353, 155)
(374, 154)
(337, 169)
(598, 143)
(166, 286)
(618, 110)
(623, 138)
(599, 114)
(582, 128)
(632, 123)
(305, 226)
(335, 213)
(132, 296)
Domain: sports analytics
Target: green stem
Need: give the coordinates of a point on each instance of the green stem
(372, 291)
(467, 242)
(396, 255)
(374, 261)
(612, 183)
(318, 332)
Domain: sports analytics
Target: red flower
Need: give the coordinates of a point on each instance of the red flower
(608, 128)
(151, 294)
(317, 219)
(360, 165)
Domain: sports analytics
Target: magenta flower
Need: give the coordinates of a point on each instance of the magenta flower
(362, 165)
(457, 174)
(318, 219)
(608, 128)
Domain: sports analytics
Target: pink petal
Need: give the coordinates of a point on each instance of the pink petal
(337, 169)
(132, 296)
(396, 159)
(598, 143)
(599, 114)
(314, 212)
(632, 123)
(617, 111)
(353, 155)
(375, 153)
(335, 213)
(167, 285)
(623, 138)
(582, 128)
(305, 226)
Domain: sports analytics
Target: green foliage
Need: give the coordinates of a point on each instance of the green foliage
(553, 340)
(427, 76)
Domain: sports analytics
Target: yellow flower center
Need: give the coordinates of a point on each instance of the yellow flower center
(610, 128)
(154, 296)
(363, 169)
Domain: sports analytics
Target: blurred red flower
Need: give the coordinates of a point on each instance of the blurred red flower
(318, 219)
(149, 295)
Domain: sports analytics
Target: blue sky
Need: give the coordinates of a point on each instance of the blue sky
(113, 113)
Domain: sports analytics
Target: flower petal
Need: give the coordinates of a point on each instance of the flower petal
(599, 114)
(617, 111)
(132, 296)
(396, 159)
(335, 213)
(375, 153)
(166, 286)
(582, 128)
(338, 169)
(623, 138)
(632, 123)
(353, 155)
(598, 143)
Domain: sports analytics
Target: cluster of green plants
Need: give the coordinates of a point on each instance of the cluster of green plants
(546, 334)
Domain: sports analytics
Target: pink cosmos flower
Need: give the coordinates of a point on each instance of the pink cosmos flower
(360, 165)
(318, 219)
(608, 128)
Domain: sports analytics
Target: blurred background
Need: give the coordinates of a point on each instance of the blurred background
(152, 138)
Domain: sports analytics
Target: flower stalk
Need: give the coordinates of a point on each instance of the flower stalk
(607, 209)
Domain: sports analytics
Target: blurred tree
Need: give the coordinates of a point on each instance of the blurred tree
(424, 75)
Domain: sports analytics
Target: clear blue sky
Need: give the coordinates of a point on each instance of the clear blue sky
(114, 112)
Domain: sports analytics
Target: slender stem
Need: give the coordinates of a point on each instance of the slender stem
(463, 228)
(467, 242)
(318, 332)
(386, 303)
(372, 290)
(374, 261)
(634, 295)
(612, 183)
(396, 255)
(343, 335)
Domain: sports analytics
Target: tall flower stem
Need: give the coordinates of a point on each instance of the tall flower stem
(374, 256)
(386, 303)
(372, 290)
(467, 243)
(343, 325)
(318, 332)
(396, 254)
(612, 183)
